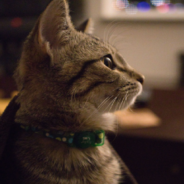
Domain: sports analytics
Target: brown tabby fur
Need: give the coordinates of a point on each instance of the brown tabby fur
(65, 86)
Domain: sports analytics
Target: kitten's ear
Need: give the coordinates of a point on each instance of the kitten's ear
(54, 24)
(86, 27)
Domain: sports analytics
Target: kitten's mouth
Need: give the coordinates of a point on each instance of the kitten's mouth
(131, 88)
(130, 93)
(124, 97)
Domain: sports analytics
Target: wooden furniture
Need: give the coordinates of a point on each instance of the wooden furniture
(155, 155)
(3, 104)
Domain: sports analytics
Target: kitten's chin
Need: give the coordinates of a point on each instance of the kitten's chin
(139, 89)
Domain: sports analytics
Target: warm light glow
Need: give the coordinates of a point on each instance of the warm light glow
(16, 22)
(164, 8)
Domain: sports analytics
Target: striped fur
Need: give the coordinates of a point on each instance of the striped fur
(65, 85)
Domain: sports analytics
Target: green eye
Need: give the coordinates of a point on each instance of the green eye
(108, 62)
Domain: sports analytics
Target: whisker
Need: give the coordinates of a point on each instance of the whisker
(109, 105)
(127, 94)
(101, 105)
(104, 101)
(123, 101)
(90, 96)
(112, 103)
(121, 42)
(93, 113)
(116, 108)
(104, 110)
(115, 36)
(106, 30)
(112, 29)
(96, 110)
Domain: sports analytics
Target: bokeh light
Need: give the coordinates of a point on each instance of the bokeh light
(179, 7)
(16, 22)
(131, 9)
(172, 8)
(122, 4)
(164, 8)
(143, 6)
(157, 2)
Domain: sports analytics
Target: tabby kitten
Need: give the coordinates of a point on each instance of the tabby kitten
(69, 83)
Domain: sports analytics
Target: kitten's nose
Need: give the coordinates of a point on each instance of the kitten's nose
(140, 78)
(136, 76)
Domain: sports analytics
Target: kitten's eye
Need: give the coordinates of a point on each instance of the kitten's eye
(108, 62)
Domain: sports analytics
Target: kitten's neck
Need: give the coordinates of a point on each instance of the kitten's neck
(68, 123)
(84, 139)
(70, 120)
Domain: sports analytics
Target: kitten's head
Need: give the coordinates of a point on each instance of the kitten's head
(64, 72)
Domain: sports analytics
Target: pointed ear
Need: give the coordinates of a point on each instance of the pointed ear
(54, 24)
(86, 27)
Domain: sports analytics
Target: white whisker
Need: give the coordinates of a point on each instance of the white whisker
(104, 110)
(112, 103)
(116, 108)
(121, 44)
(104, 101)
(123, 101)
(93, 113)
(107, 28)
(114, 37)
(112, 29)
(90, 96)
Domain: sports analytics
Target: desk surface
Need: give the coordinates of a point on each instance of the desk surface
(169, 106)
(3, 104)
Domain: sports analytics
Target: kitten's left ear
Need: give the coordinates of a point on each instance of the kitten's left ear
(55, 24)
(86, 27)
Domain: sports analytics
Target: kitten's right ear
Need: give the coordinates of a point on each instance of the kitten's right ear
(54, 25)
(86, 27)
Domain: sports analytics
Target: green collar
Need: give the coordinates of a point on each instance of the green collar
(79, 140)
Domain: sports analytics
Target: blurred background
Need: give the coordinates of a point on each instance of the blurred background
(17, 18)
(150, 36)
